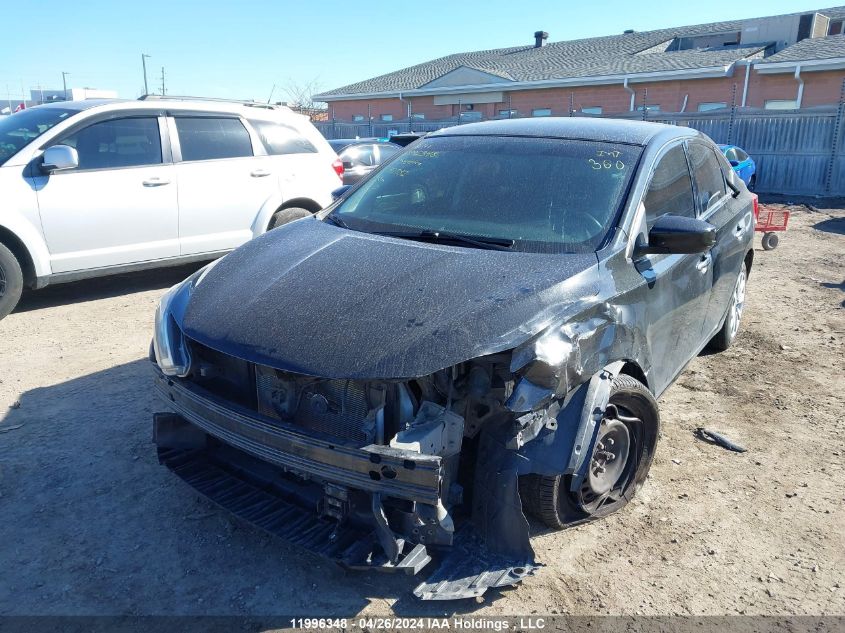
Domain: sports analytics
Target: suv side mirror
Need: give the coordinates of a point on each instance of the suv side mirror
(675, 234)
(338, 193)
(59, 158)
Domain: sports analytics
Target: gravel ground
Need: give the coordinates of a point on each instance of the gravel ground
(91, 524)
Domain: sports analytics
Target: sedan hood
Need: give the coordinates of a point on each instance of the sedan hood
(317, 299)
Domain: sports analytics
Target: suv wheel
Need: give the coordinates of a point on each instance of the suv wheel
(623, 448)
(11, 281)
(283, 216)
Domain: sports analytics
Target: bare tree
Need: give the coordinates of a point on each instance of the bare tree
(300, 97)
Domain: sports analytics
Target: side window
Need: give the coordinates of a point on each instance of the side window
(731, 154)
(740, 155)
(208, 138)
(117, 143)
(280, 139)
(670, 190)
(386, 151)
(709, 180)
(358, 156)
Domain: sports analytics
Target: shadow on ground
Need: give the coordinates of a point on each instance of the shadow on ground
(832, 225)
(92, 525)
(104, 287)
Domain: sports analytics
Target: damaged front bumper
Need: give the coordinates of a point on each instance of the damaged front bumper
(371, 507)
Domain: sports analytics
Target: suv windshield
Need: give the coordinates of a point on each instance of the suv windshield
(539, 194)
(21, 128)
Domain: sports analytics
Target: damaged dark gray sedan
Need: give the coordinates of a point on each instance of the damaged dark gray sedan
(475, 334)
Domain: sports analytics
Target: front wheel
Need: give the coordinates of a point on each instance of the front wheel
(623, 448)
(11, 281)
(283, 216)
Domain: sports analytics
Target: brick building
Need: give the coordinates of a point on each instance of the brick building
(776, 62)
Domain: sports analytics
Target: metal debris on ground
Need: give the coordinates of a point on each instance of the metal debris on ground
(712, 437)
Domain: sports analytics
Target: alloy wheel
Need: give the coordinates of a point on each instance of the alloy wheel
(737, 304)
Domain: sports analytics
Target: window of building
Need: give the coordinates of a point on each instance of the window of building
(541, 112)
(709, 179)
(117, 143)
(281, 139)
(357, 117)
(470, 116)
(591, 110)
(209, 138)
(835, 27)
(386, 117)
(781, 104)
(670, 189)
(648, 108)
(507, 113)
(711, 105)
(418, 115)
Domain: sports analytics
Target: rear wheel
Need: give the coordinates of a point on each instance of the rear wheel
(727, 335)
(283, 216)
(11, 281)
(621, 457)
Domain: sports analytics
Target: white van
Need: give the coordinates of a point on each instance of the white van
(92, 188)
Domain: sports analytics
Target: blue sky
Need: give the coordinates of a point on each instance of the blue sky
(240, 49)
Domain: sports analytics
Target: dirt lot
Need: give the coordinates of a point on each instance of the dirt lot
(91, 524)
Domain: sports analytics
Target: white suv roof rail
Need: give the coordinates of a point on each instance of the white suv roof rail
(253, 104)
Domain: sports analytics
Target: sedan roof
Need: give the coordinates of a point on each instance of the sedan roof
(611, 130)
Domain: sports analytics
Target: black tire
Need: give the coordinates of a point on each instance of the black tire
(770, 241)
(733, 318)
(11, 281)
(549, 498)
(283, 216)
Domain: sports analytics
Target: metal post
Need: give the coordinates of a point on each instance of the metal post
(64, 84)
(370, 118)
(834, 145)
(645, 103)
(571, 104)
(144, 65)
(733, 115)
(162, 82)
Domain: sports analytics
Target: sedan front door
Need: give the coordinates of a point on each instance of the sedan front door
(119, 206)
(678, 286)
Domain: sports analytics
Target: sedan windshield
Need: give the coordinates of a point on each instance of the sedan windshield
(21, 128)
(531, 194)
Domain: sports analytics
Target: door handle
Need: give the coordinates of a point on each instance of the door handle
(155, 182)
(259, 173)
(704, 263)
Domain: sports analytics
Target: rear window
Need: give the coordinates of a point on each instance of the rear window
(280, 139)
(210, 138)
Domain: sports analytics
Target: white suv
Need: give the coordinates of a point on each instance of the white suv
(92, 188)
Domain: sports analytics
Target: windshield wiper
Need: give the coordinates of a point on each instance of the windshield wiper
(331, 217)
(490, 243)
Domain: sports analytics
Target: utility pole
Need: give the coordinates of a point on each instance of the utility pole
(64, 83)
(144, 58)
(162, 82)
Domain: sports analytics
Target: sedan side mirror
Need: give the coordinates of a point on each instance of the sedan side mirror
(59, 158)
(675, 234)
(340, 191)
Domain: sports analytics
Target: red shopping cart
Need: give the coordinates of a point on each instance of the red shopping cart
(769, 222)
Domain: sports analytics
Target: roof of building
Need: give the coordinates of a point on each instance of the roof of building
(830, 47)
(612, 55)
